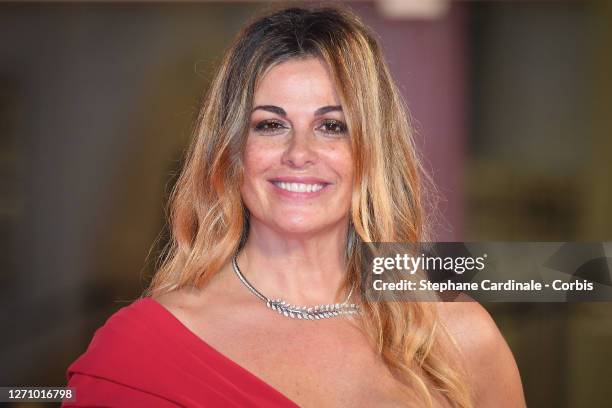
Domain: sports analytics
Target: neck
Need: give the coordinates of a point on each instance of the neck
(299, 268)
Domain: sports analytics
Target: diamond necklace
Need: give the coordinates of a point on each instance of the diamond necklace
(300, 312)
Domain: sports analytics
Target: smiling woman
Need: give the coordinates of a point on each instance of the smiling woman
(297, 160)
(302, 152)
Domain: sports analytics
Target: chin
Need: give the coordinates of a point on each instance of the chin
(300, 225)
(296, 227)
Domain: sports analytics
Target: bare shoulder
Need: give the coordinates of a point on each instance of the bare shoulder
(489, 362)
(190, 302)
(469, 323)
(180, 302)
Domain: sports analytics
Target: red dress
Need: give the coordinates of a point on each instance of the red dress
(143, 356)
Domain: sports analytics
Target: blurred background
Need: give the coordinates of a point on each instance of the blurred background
(510, 101)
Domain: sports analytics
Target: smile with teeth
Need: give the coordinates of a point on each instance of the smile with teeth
(299, 187)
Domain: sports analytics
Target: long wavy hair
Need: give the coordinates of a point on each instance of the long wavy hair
(208, 219)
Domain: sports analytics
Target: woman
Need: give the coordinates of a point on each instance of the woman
(302, 152)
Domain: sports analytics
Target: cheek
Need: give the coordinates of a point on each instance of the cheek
(341, 160)
(257, 158)
(250, 157)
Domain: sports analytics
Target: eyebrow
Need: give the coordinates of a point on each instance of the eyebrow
(280, 111)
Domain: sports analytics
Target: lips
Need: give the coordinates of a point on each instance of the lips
(300, 185)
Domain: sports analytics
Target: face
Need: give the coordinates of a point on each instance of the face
(298, 167)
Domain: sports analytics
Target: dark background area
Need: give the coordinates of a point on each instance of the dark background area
(510, 101)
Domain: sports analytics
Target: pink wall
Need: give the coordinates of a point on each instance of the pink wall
(428, 60)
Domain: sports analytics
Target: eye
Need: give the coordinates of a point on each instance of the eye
(333, 127)
(269, 126)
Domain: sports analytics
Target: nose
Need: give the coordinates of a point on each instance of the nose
(300, 150)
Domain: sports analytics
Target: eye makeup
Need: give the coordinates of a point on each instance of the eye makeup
(331, 127)
(270, 126)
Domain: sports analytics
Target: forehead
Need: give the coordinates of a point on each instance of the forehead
(304, 81)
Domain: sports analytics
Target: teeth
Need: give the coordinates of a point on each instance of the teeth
(299, 187)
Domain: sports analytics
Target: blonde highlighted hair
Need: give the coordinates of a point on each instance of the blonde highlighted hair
(209, 221)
